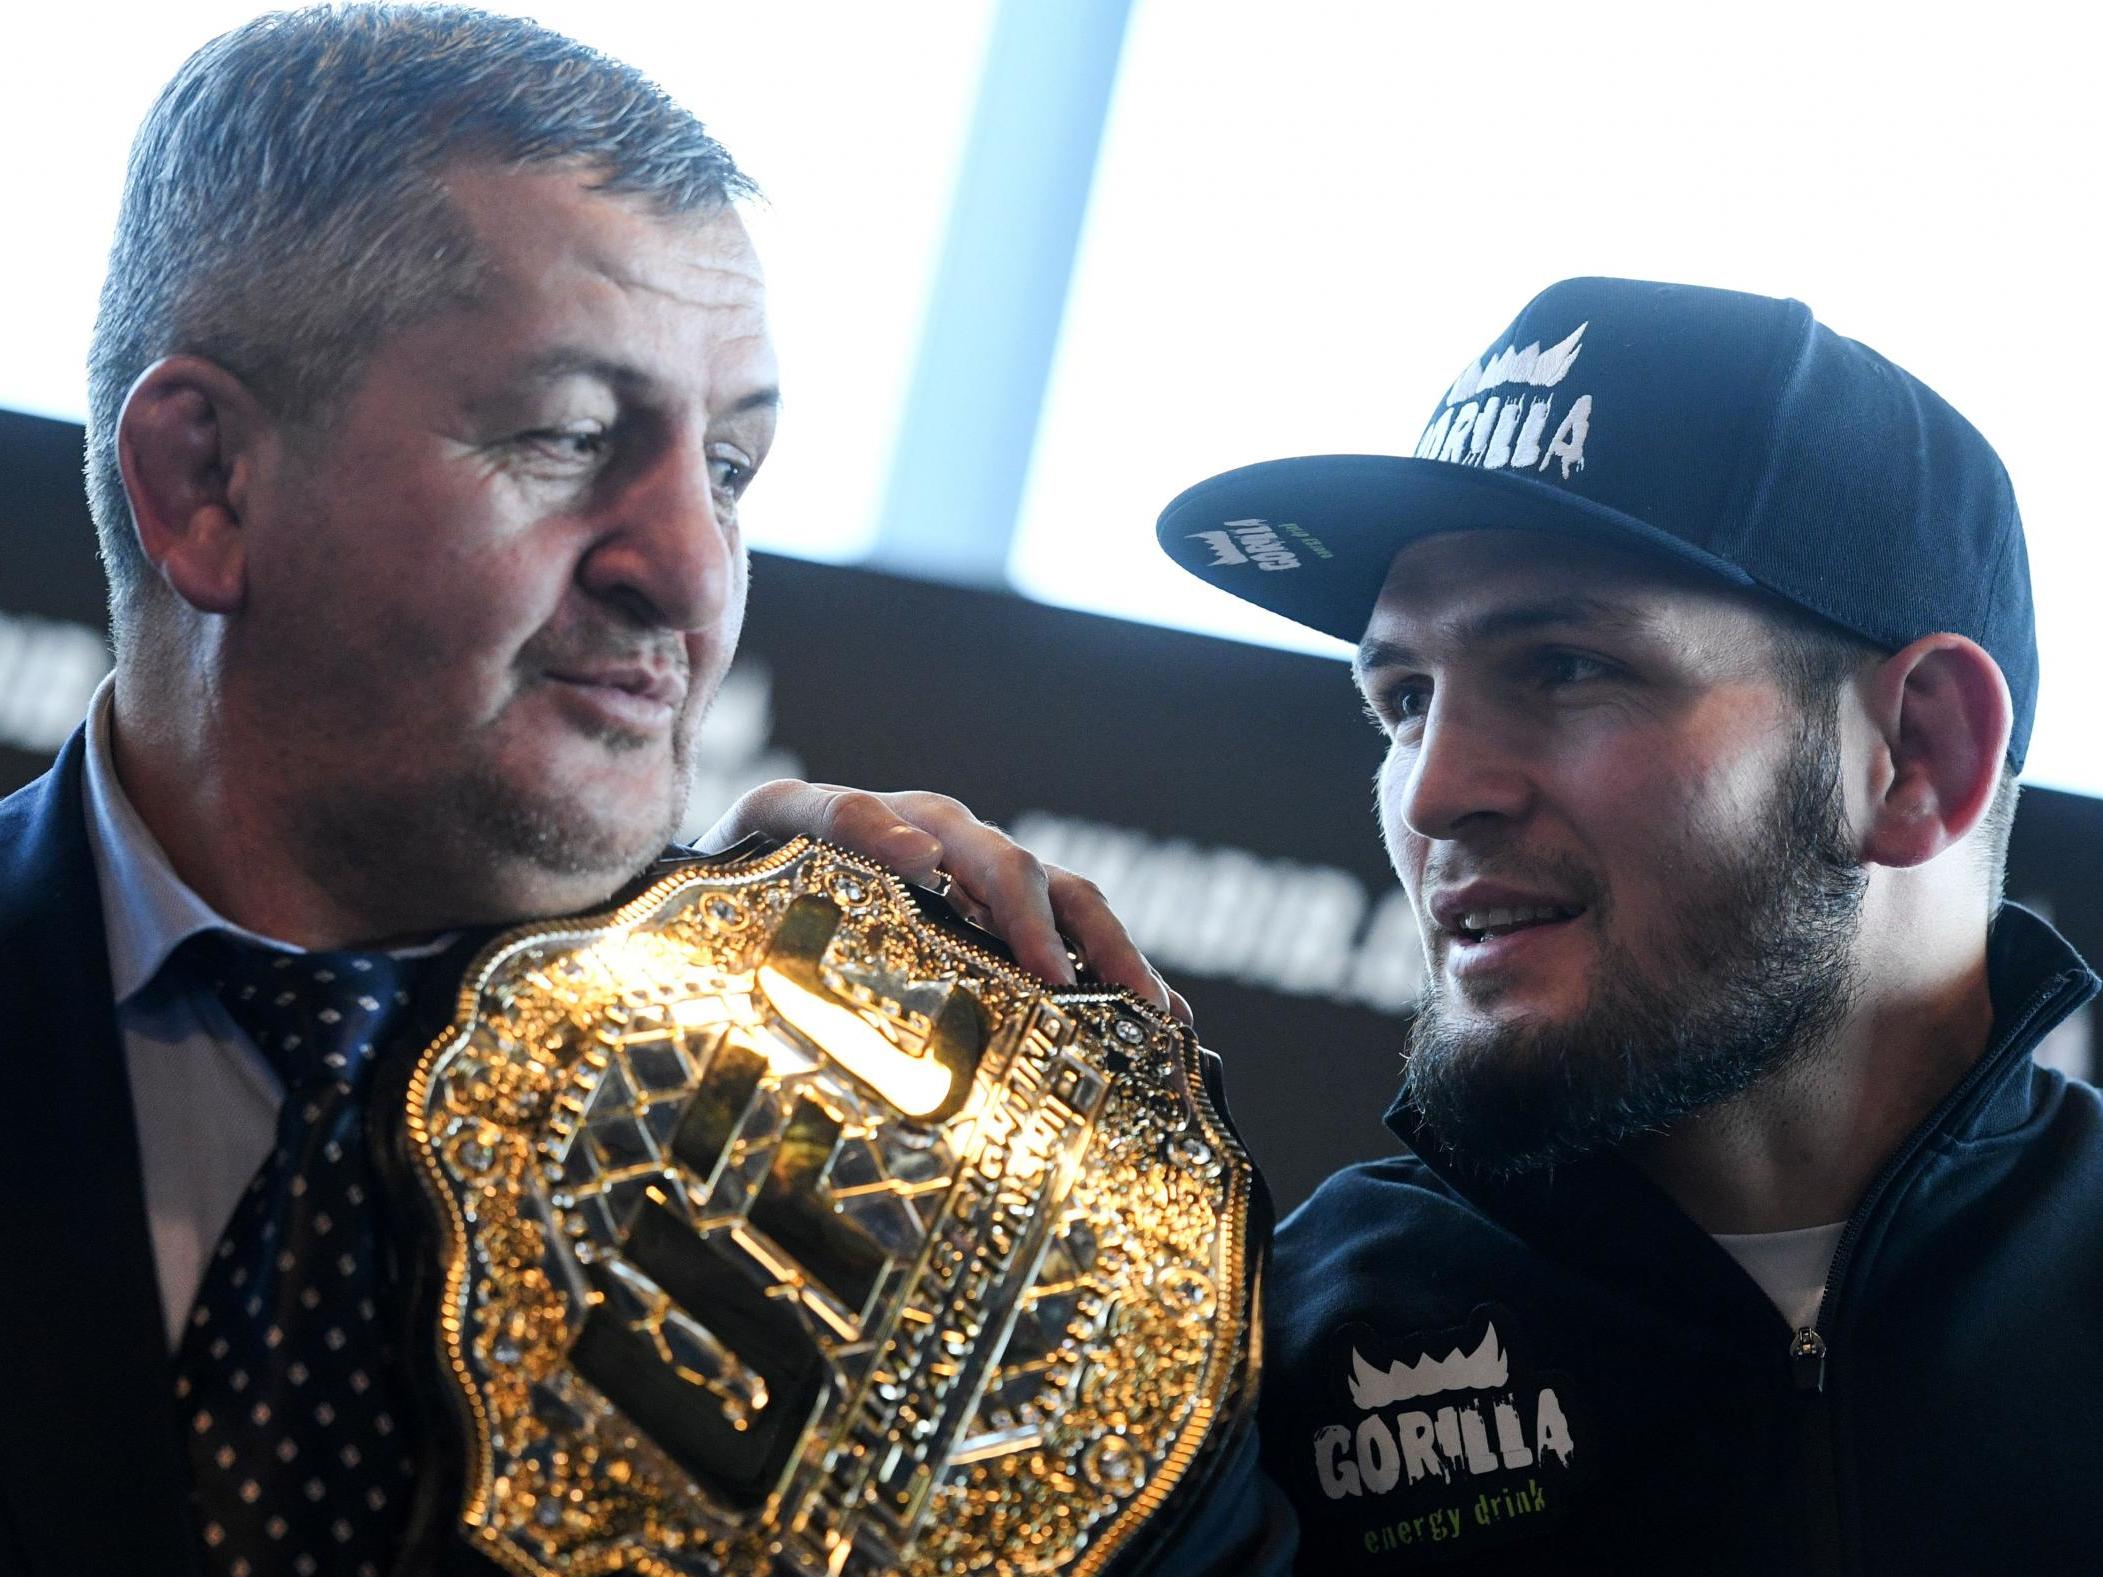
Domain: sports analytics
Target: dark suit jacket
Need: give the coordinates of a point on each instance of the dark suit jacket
(93, 1477)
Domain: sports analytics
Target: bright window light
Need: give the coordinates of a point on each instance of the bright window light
(1307, 219)
(851, 117)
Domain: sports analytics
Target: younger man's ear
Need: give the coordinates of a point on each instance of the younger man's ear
(1942, 715)
(187, 444)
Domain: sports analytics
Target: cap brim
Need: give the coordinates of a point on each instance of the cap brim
(1341, 518)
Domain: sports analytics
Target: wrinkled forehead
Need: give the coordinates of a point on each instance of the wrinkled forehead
(1459, 589)
(560, 214)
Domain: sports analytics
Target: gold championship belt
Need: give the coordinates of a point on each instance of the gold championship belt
(784, 1230)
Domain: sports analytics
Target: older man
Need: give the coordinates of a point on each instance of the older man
(431, 369)
(1736, 1230)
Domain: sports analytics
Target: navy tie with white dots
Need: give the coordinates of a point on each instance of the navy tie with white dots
(300, 1463)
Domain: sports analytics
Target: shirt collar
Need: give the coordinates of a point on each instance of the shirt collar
(147, 909)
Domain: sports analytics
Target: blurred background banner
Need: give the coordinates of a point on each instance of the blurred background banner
(1036, 265)
(1219, 791)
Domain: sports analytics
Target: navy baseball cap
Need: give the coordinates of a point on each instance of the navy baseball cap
(1727, 431)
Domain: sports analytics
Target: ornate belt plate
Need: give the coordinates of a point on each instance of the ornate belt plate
(788, 1232)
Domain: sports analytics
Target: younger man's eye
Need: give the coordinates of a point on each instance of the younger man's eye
(1574, 667)
(1403, 702)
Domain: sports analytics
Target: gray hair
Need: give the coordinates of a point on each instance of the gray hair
(282, 213)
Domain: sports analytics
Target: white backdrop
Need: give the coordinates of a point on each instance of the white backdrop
(1306, 218)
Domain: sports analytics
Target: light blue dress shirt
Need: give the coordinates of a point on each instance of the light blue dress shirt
(206, 1100)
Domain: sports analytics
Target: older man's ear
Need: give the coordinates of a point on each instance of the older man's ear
(188, 443)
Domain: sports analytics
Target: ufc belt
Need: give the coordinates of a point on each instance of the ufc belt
(784, 1230)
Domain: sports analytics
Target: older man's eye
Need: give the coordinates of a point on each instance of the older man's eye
(578, 442)
(730, 474)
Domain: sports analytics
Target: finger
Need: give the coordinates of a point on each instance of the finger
(850, 818)
(947, 824)
(1181, 1008)
(1001, 877)
(1084, 914)
(969, 907)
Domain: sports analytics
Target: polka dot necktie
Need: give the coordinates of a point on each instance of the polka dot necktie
(299, 1462)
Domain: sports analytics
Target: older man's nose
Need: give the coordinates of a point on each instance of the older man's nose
(669, 552)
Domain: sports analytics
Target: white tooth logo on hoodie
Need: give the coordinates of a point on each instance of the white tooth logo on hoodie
(1484, 1369)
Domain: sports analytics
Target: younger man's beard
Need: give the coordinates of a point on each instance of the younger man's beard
(1759, 977)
